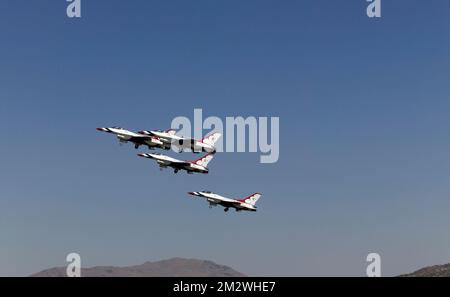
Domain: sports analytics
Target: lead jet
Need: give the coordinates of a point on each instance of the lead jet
(169, 137)
(247, 203)
(199, 165)
(125, 136)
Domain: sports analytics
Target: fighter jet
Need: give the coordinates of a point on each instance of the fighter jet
(247, 203)
(125, 136)
(199, 165)
(169, 137)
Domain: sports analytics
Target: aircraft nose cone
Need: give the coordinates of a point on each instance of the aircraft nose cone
(141, 155)
(99, 129)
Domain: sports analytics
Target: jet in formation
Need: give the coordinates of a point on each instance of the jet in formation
(247, 203)
(200, 165)
(125, 136)
(164, 139)
(169, 137)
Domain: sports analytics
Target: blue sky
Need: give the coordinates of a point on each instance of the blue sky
(363, 106)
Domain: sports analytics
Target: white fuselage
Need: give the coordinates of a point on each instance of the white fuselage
(125, 135)
(216, 199)
(166, 161)
(182, 142)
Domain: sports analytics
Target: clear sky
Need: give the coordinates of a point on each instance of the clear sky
(364, 117)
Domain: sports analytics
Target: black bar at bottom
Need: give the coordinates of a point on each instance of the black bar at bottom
(245, 286)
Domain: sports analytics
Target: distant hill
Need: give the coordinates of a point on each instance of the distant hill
(175, 267)
(431, 271)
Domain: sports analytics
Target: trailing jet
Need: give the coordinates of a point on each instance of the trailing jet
(199, 165)
(125, 136)
(169, 137)
(247, 203)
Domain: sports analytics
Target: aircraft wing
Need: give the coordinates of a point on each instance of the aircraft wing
(164, 159)
(148, 156)
(216, 199)
(166, 136)
(123, 132)
(141, 137)
(182, 142)
(145, 139)
(166, 139)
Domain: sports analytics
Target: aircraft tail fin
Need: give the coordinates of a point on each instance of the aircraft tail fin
(211, 138)
(252, 199)
(203, 161)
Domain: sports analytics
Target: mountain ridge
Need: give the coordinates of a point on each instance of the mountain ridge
(173, 267)
(430, 271)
